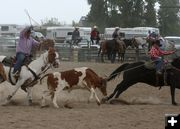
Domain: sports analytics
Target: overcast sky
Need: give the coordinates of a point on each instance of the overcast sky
(13, 11)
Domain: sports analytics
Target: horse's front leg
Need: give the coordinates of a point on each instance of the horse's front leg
(102, 57)
(17, 86)
(172, 88)
(29, 96)
(113, 57)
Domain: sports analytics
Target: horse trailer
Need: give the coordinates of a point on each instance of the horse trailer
(59, 34)
(131, 32)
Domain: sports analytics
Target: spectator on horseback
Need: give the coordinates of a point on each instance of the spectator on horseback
(23, 49)
(156, 55)
(76, 36)
(95, 35)
(115, 34)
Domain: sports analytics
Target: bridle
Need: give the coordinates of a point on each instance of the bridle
(48, 64)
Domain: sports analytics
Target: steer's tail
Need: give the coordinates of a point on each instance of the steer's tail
(44, 77)
(117, 71)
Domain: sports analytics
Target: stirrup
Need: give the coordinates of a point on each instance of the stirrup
(16, 74)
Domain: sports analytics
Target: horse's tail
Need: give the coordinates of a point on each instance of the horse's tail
(99, 50)
(44, 77)
(117, 71)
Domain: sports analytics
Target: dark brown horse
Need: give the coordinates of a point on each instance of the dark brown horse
(145, 75)
(121, 51)
(111, 48)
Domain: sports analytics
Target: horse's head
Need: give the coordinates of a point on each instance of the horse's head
(176, 62)
(135, 43)
(53, 57)
(46, 44)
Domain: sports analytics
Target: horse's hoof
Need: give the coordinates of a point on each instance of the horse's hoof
(44, 106)
(98, 103)
(174, 103)
(104, 100)
(9, 97)
(29, 103)
(68, 106)
(5, 103)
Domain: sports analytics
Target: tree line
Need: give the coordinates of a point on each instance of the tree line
(136, 13)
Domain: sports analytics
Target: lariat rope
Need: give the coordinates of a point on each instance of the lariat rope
(127, 70)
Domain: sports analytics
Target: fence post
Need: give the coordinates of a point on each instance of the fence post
(75, 55)
(137, 54)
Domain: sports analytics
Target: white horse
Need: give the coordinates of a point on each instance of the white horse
(30, 74)
(143, 44)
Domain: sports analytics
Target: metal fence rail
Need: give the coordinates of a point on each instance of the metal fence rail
(91, 54)
(85, 54)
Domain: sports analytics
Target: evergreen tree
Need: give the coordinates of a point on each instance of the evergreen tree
(150, 13)
(98, 14)
(128, 13)
(168, 17)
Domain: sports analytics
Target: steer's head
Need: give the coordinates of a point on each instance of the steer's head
(103, 87)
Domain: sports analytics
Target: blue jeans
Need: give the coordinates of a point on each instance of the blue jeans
(20, 57)
(159, 64)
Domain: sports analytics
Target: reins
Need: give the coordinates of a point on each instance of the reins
(138, 67)
(176, 68)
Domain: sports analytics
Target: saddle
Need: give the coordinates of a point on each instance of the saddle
(10, 61)
(151, 65)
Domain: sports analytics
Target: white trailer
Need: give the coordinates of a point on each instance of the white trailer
(59, 34)
(131, 32)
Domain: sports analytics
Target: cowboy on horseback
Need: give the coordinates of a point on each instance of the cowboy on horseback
(152, 37)
(156, 55)
(116, 36)
(95, 35)
(76, 36)
(23, 49)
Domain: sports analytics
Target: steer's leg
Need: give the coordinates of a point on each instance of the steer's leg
(57, 90)
(91, 96)
(55, 99)
(94, 94)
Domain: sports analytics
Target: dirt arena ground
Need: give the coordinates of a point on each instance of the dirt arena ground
(147, 108)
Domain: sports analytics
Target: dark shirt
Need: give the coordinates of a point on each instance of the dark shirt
(115, 34)
(75, 35)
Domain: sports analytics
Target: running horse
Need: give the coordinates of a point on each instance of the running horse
(146, 75)
(30, 74)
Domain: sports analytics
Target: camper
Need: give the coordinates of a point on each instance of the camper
(131, 32)
(9, 30)
(59, 34)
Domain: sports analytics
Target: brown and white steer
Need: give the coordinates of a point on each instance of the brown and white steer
(76, 78)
